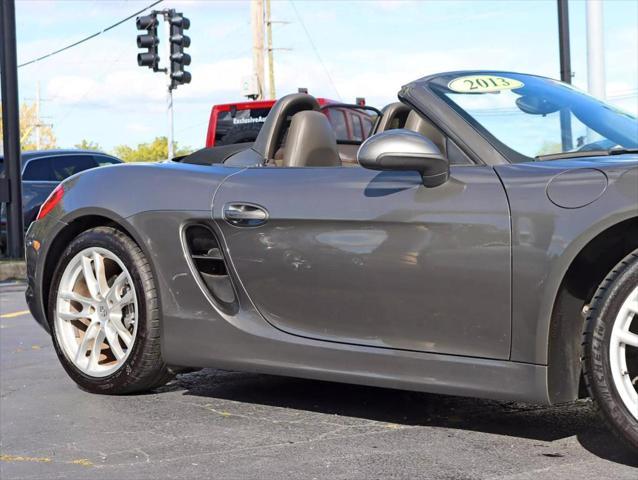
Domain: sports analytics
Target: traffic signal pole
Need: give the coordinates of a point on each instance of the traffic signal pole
(11, 191)
(175, 60)
(169, 91)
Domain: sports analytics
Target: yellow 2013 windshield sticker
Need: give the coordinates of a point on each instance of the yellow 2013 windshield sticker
(483, 84)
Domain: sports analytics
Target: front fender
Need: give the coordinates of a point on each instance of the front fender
(546, 238)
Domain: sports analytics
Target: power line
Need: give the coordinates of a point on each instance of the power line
(90, 89)
(90, 36)
(314, 47)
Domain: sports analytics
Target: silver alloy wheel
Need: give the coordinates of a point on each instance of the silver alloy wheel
(622, 336)
(96, 312)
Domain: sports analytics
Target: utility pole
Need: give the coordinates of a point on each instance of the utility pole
(595, 55)
(11, 185)
(257, 24)
(37, 116)
(271, 64)
(36, 125)
(595, 49)
(565, 71)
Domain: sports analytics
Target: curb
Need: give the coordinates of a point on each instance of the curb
(13, 270)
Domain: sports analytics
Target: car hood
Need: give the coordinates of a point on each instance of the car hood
(600, 162)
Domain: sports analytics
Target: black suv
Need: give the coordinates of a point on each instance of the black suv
(42, 170)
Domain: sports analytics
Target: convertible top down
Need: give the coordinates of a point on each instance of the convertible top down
(482, 242)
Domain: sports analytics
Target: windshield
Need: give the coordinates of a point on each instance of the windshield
(534, 116)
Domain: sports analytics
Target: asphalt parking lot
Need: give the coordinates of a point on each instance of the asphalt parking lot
(231, 425)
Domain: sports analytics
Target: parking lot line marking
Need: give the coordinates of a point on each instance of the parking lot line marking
(20, 458)
(85, 462)
(14, 314)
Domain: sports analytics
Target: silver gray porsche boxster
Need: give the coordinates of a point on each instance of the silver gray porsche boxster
(483, 241)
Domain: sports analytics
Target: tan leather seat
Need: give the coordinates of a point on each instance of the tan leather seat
(311, 142)
(394, 116)
(272, 133)
(417, 123)
(348, 154)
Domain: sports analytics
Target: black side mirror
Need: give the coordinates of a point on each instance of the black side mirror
(405, 150)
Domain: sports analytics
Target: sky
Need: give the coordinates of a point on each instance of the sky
(336, 49)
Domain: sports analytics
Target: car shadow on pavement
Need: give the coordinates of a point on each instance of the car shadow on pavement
(515, 419)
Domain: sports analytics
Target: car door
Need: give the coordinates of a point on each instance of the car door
(374, 258)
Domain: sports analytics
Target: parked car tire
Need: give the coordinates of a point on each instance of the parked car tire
(610, 354)
(104, 315)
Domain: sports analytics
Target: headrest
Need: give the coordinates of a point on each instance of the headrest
(271, 132)
(393, 111)
(311, 142)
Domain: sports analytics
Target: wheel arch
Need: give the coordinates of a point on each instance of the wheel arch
(73, 225)
(579, 282)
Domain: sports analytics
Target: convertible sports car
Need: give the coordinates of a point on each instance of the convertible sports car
(483, 242)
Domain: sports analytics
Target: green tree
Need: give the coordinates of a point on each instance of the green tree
(88, 145)
(148, 152)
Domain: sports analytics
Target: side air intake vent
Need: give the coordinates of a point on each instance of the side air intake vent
(207, 257)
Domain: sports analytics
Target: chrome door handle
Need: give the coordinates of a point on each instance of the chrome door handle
(245, 214)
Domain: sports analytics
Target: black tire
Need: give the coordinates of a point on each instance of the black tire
(144, 368)
(241, 134)
(603, 310)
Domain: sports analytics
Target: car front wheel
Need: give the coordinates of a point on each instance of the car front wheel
(104, 314)
(610, 357)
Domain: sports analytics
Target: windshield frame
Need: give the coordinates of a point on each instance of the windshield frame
(436, 86)
(418, 96)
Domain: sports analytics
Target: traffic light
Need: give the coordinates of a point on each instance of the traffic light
(149, 40)
(179, 41)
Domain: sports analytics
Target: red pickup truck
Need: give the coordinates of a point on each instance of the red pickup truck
(240, 122)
